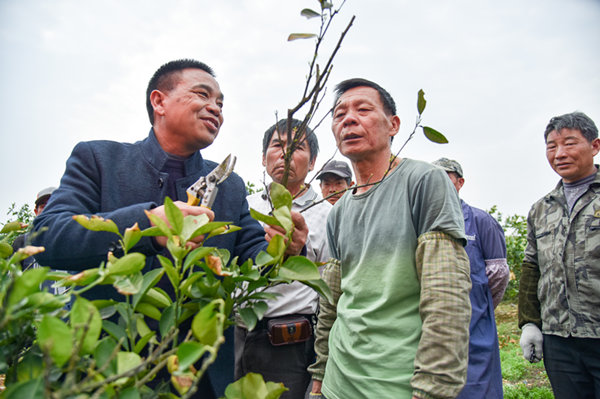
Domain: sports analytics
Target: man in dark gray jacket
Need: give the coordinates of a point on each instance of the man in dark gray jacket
(120, 181)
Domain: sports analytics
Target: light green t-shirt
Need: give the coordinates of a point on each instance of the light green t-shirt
(373, 342)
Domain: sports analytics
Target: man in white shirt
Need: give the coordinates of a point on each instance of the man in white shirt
(287, 361)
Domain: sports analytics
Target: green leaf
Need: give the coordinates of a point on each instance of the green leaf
(26, 284)
(85, 277)
(321, 287)
(126, 361)
(253, 274)
(276, 247)
(128, 264)
(259, 309)
(5, 250)
(130, 393)
(153, 231)
(280, 196)
(103, 354)
(150, 280)
(116, 331)
(263, 295)
(224, 255)
(97, 223)
(149, 310)
(299, 268)
(308, 13)
(157, 297)
(189, 353)
(207, 326)
(82, 313)
(224, 230)
(434, 135)
(266, 219)
(206, 288)
(191, 225)
(185, 284)
(167, 319)
(296, 36)
(174, 216)
(176, 247)
(129, 285)
(195, 256)
(208, 228)
(131, 237)
(10, 227)
(421, 102)
(325, 4)
(275, 389)
(46, 302)
(30, 366)
(284, 216)
(262, 259)
(143, 341)
(252, 385)
(248, 317)
(161, 224)
(31, 389)
(170, 269)
(55, 337)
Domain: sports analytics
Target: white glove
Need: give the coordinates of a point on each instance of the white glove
(531, 342)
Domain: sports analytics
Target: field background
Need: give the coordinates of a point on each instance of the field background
(520, 379)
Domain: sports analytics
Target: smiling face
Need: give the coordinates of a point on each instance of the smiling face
(571, 155)
(188, 117)
(361, 127)
(300, 165)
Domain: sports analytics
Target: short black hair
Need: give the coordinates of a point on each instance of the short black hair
(574, 120)
(164, 78)
(389, 105)
(281, 126)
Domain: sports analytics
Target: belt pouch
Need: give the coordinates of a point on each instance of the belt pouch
(288, 330)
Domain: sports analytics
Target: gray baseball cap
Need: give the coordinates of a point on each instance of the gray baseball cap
(338, 168)
(44, 195)
(449, 165)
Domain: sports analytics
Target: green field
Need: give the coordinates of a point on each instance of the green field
(521, 379)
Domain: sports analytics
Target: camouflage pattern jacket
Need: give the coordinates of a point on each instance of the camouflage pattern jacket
(561, 271)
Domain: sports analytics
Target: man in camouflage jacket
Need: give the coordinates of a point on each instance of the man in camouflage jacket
(559, 296)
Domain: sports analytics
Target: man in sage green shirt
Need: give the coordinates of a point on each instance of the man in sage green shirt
(402, 326)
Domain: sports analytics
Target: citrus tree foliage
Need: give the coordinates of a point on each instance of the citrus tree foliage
(515, 232)
(252, 188)
(23, 216)
(106, 348)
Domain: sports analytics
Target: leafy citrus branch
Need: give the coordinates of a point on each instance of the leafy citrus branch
(316, 81)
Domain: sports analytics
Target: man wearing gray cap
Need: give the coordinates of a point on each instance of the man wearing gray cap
(335, 177)
(40, 203)
(41, 200)
(486, 249)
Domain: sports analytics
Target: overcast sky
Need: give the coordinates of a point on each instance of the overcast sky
(493, 73)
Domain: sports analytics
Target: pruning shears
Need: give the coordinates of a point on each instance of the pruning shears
(204, 190)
